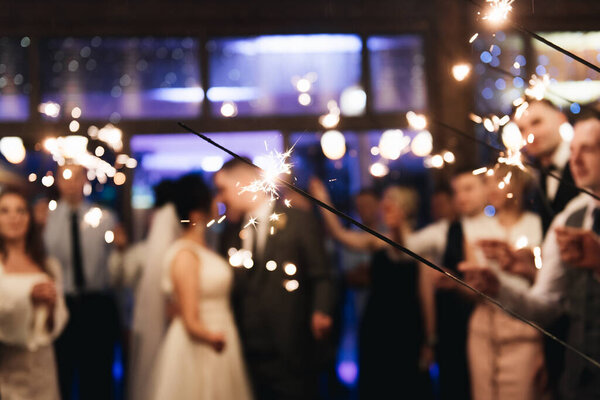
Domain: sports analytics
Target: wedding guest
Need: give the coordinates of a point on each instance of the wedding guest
(391, 348)
(200, 357)
(284, 296)
(32, 306)
(543, 120)
(75, 234)
(567, 282)
(506, 356)
(444, 242)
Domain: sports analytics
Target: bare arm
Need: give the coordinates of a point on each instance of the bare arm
(356, 240)
(427, 297)
(184, 274)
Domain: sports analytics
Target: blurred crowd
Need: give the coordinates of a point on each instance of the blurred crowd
(252, 309)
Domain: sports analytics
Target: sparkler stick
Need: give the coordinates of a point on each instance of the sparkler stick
(399, 247)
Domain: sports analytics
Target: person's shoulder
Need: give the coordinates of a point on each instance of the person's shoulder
(577, 203)
(53, 267)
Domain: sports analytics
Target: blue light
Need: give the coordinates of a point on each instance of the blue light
(500, 84)
(348, 372)
(543, 59)
(521, 60)
(518, 82)
(540, 70)
(495, 62)
(575, 108)
(501, 36)
(496, 51)
(486, 57)
(487, 93)
(489, 211)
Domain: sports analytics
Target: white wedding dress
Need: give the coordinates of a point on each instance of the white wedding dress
(188, 369)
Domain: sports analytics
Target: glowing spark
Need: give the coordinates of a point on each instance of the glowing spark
(480, 171)
(499, 10)
(332, 180)
(210, 223)
(274, 217)
(473, 38)
(490, 172)
(537, 86)
(522, 242)
(416, 121)
(271, 265)
(93, 217)
(276, 164)
(252, 221)
(537, 257)
(222, 219)
(272, 230)
(475, 118)
(185, 221)
(288, 203)
(291, 285)
(509, 195)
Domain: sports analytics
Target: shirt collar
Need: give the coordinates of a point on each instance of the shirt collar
(561, 155)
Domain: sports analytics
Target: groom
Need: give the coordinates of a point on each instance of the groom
(284, 301)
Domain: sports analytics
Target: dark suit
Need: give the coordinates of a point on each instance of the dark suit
(548, 208)
(274, 324)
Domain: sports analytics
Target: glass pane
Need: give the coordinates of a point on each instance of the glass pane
(172, 155)
(296, 74)
(122, 77)
(397, 73)
(570, 79)
(14, 79)
(494, 90)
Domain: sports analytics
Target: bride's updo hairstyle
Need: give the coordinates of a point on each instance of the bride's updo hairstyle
(191, 194)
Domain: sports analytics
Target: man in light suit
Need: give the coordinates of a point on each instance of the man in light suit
(283, 299)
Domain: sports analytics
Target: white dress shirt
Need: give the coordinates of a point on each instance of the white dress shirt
(542, 302)
(94, 249)
(262, 214)
(560, 158)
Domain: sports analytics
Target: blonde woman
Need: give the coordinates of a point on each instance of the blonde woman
(399, 313)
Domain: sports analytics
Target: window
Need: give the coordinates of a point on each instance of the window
(122, 77)
(570, 80)
(14, 79)
(283, 75)
(397, 73)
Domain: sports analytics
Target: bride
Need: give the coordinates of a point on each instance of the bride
(200, 357)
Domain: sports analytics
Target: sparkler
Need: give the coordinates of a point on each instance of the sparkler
(538, 86)
(397, 246)
(498, 10)
(276, 165)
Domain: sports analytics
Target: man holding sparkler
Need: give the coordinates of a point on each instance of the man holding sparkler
(541, 123)
(283, 294)
(568, 280)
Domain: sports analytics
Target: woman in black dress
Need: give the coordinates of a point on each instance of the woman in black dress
(393, 355)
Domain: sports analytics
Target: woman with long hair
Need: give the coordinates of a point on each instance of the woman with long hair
(32, 306)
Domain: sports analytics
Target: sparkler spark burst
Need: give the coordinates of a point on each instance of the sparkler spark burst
(251, 222)
(275, 164)
(538, 86)
(498, 10)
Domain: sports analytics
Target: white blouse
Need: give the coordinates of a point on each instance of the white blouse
(21, 322)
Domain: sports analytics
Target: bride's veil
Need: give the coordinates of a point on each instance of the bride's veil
(149, 320)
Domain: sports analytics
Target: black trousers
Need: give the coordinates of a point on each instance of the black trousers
(86, 347)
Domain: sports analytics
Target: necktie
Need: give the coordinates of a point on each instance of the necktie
(454, 246)
(76, 252)
(596, 224)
